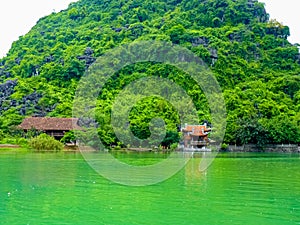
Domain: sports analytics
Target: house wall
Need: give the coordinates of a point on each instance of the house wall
(57, 134)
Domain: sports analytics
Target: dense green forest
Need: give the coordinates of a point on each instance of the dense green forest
(249, 54)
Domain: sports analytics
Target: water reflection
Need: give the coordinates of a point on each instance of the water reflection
(63, 189)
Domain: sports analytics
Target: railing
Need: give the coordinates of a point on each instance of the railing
(198, 142)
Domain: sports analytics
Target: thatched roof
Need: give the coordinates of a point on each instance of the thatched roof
(50, 123)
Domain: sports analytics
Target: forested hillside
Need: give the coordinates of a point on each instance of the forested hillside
(256, 66)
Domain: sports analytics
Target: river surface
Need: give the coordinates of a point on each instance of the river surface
(236, 189)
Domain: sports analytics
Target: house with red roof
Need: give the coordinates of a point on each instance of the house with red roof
(195, 136)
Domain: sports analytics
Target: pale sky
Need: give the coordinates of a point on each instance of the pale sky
(18, 16)
(288, 13)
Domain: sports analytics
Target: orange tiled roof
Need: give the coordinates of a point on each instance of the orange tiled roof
(50, 123)
(197, 130)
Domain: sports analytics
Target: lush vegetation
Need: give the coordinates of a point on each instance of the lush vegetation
(257, 68)
(44, 142)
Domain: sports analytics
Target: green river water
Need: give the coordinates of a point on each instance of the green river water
(236, 189)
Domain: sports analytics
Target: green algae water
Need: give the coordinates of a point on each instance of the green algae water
(235, 189)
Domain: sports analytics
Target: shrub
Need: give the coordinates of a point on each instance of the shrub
(44, 142)
(174, 146)
(22, 141)
(224, 147)
(117, 148)
(69, 137)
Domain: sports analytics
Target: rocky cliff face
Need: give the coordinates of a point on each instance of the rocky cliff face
(28, 103)
(6, 90)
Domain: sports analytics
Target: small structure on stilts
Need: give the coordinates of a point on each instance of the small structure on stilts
(195, 138)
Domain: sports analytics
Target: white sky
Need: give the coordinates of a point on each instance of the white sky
(288, 13)
(18, 16)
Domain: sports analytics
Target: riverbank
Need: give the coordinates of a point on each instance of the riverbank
(4, 148)
(283, 148)
(231, 148)
(8, 146)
